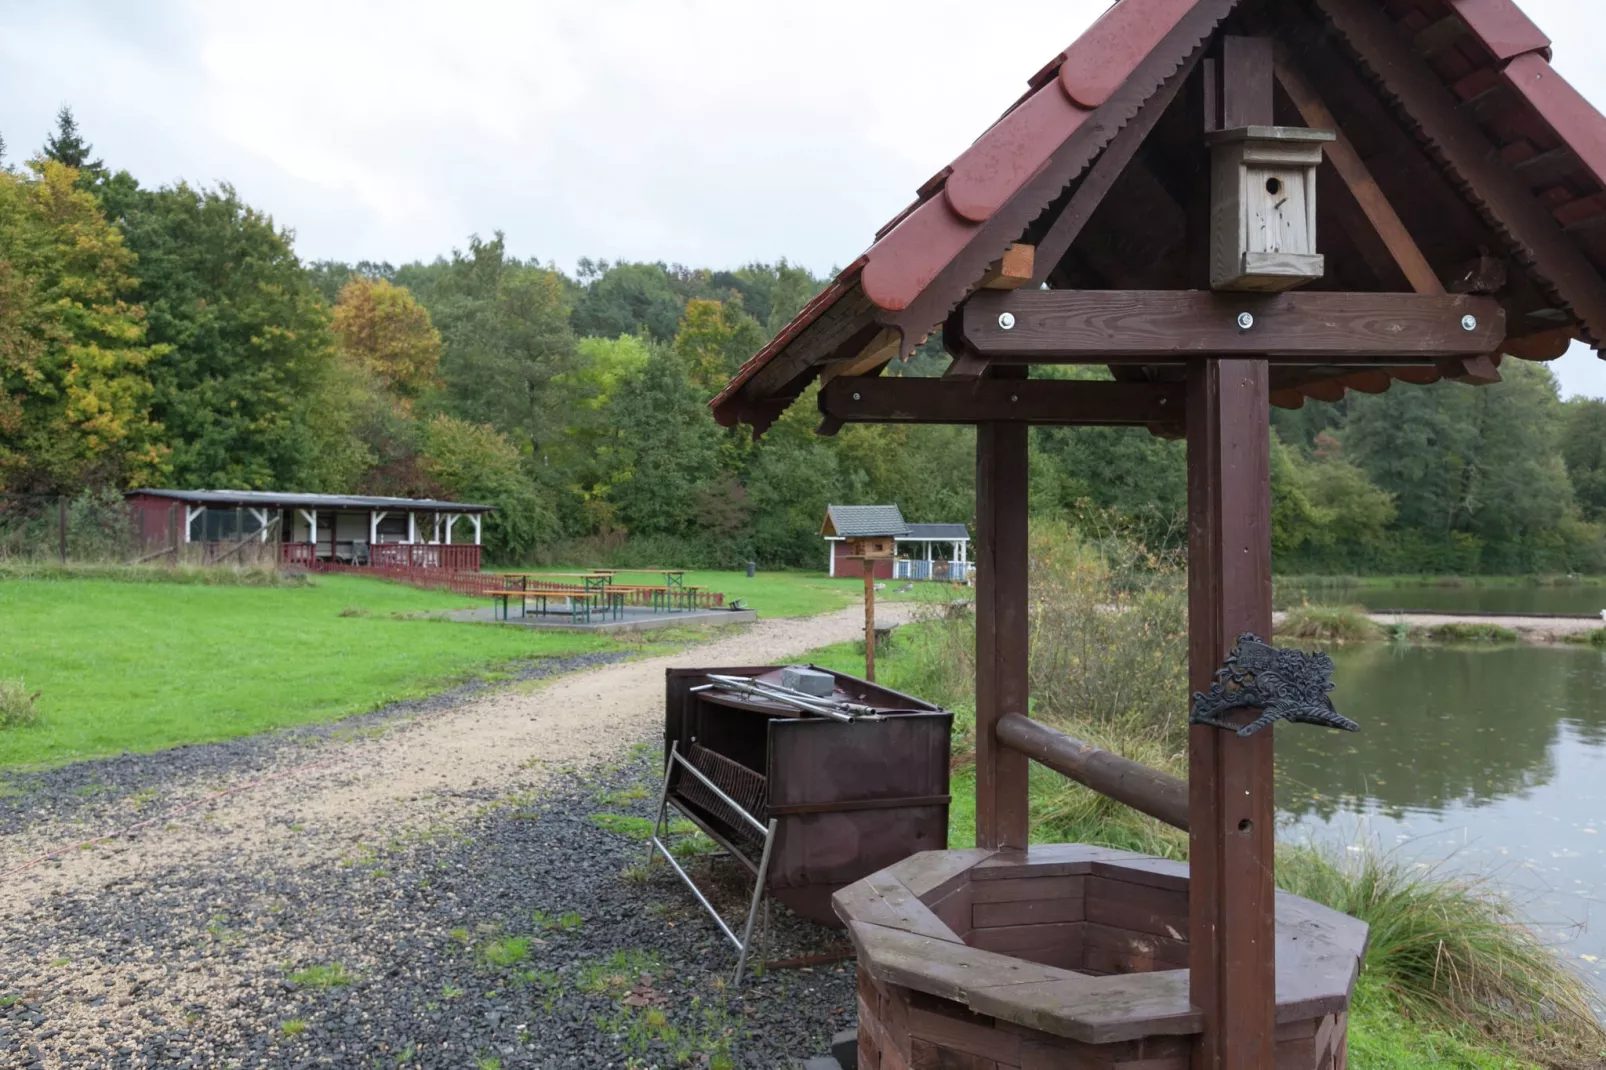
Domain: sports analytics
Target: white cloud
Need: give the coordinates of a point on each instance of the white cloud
(699, 131)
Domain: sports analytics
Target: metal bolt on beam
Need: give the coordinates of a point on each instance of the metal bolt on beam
(1469, 323)
(1245, 320)
(1006, 320)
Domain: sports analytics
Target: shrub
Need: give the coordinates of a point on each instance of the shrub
(1467, 632)
(1328, 624)
(17, 708)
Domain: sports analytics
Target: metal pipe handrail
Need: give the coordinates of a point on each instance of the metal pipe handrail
(1160, 795)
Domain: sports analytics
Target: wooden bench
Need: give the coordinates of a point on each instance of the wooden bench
(579, 601)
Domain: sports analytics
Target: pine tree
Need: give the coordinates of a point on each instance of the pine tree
(67, 146)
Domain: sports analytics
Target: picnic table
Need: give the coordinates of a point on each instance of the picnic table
(581, 603)
(673, 577)
(590, 582)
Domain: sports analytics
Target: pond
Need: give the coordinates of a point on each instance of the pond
(1486, 762)
(1584, 600)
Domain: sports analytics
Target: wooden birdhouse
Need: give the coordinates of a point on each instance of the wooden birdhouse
(1263, 207)
(875, 547)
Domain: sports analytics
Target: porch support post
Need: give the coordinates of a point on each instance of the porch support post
(373, 526)
(451, 518)
(190, 513)
(1001, 633)
(412, 527)
(311, 516)
(1231, 844)
(476, 518)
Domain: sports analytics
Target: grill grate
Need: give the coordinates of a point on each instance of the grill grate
(742, 784)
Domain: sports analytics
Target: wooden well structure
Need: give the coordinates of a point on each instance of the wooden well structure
(1231, 204)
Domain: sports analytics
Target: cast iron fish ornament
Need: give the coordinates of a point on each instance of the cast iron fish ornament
(1285, 685)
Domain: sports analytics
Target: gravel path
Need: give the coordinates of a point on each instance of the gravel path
(448, 862)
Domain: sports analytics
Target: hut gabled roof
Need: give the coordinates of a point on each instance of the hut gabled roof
(1467, 128)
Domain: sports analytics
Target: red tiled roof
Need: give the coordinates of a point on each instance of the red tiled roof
(1496, 45)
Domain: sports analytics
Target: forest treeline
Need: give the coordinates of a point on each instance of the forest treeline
(171, 336)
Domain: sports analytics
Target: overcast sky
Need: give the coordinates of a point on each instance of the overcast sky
(708, 132)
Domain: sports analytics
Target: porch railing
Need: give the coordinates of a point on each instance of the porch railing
(910, 569)
(384, 555)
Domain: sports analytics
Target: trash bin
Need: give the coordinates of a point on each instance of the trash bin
(752, 567)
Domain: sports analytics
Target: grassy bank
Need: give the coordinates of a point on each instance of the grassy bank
(142, 666)
(1452, 978)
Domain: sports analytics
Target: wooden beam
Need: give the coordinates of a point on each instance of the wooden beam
(1246, 73)
(1012, 271)
(1482, 370)
(1358, 177)
(880, 349)
(967, 367)
(1002, 640)
(1231, 887)
(1546, 345)
(1101, 178)
(1148, 790)
(1466, 151)
(1169, 326)
(1051, 402)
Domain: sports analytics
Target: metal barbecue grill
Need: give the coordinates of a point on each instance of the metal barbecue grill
(809, 792)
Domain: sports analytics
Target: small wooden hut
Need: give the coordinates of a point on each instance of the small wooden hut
(1230, 204)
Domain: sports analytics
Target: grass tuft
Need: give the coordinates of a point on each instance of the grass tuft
(506, 951)
(1465, 632)
(1328, 624)
(327, 975)
(293, 1027)
(1452, 952)
(17, 704)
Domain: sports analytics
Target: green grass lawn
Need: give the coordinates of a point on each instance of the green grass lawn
(144, 666)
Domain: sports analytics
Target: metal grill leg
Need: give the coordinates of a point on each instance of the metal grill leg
(758, 897)
(659, 826)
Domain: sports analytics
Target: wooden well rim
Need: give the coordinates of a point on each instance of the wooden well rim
(896, 918)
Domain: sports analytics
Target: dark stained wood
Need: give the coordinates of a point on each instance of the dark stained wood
(967, 367)
(1054, 944)
(1001, 635)
(1044, 860)
(1026, 889)
(1147, 790)
(1170, 326)
(1101, 178)
(1358, 177)
(1231, 844)
(933, 872)
(1188, 40)
(1246, 79)
(1474, 371)
(1046, 402)
(1028, 912)
(1468, 152)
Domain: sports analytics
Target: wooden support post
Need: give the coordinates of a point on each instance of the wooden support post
(61, 526)
(1232, 973)
(869, 618)
(1001, 631)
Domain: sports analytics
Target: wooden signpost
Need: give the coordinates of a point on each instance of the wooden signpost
(867, 551)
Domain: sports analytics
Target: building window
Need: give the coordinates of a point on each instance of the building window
(222, 523)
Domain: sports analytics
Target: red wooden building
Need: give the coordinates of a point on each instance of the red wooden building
(314, 530)
(1229, 205)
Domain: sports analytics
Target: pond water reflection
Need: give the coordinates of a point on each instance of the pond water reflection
(1585, 600)
(1492, 762)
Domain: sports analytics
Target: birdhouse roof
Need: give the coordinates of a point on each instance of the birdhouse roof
(864, 522)
(939, 532)
(1453, 104)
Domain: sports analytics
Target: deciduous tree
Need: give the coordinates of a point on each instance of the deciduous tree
(380, 327)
